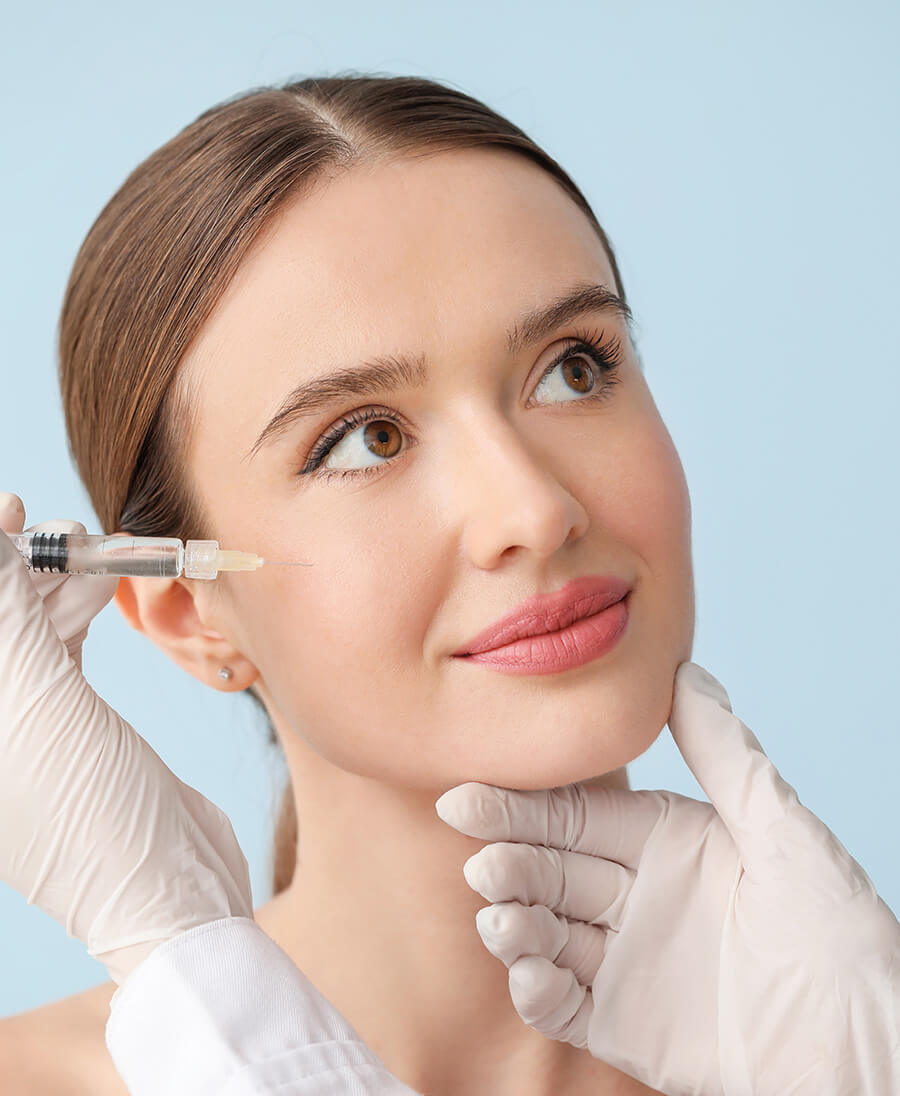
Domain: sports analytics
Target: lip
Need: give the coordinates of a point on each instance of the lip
(550, 613)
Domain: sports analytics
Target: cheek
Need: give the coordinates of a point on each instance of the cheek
(639, 501)
(657, 520)
(348, 621)
(640, 494)
(336, 642)
(655, 505)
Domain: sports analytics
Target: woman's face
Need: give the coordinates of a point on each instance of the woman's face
(448, 501)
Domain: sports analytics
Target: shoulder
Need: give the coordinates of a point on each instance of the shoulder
(59, 1049)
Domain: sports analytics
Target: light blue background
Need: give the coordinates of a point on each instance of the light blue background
(743, 159)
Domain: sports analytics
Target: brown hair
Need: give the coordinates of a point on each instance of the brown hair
(164, 249)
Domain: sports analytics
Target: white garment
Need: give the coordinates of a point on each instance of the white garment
(221, 1009)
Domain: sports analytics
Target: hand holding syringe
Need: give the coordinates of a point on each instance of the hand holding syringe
(91, 818)
(123, 555)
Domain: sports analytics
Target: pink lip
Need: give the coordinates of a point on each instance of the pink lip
(577, 623)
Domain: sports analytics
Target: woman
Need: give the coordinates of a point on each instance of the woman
(292, 233)
(366, 323)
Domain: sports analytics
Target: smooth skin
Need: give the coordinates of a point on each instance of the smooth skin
(500, 490)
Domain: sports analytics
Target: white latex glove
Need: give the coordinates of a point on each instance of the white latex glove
(730, 948)
(94, 828)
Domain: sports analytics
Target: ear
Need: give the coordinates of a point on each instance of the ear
(168, 612)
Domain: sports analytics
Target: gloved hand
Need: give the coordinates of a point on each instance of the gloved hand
(730, 948)
(94, 827)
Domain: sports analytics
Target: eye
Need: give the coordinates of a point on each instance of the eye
(378, 438)
(357, 445)
(587, 367)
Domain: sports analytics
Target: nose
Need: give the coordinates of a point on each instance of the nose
(510, 498)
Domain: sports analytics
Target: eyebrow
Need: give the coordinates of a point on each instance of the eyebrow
(383, 375)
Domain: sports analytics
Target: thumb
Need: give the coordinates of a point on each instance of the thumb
(729, 763)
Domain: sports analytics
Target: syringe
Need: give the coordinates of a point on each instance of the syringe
(120, 554)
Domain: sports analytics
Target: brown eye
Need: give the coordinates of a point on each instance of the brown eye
(382, 438)
(578, 373)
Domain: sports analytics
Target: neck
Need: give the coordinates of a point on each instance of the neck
(381, 920)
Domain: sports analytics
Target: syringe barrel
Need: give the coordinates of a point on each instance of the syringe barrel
(98, 554)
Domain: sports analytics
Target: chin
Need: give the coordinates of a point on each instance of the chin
(567, 761)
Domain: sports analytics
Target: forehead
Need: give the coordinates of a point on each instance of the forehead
(416, 255)
(386, 239)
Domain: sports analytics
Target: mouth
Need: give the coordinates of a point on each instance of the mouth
(555, 632)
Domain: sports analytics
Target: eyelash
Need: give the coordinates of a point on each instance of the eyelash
(606, 356)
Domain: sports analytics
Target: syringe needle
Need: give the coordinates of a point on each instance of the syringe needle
(247, 561)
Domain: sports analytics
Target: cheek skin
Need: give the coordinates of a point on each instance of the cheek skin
(339, 645)
(658, 521)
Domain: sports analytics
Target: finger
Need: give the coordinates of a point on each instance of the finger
(12, 512)
(88, 593)
(610, 822)
(45, 582)
(550, 1000)
(12, 519)
(510, 931)
(583, 888)
(72, 601)
(729, 763)
(26, 627)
